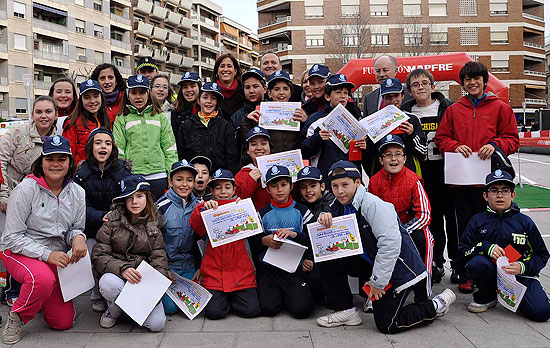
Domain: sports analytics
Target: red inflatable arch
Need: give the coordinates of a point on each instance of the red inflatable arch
(444, 67)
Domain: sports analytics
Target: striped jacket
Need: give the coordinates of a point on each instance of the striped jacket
(146, 140)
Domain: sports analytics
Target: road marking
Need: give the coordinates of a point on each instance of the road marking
(531, 160)
(529, 181)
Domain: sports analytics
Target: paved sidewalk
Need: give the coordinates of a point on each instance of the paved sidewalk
(459, 328)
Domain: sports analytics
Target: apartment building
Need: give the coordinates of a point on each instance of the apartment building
(240, 42)
(42, 40)
(506, 35)
(206, 36)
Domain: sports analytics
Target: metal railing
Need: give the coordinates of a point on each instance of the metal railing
(40, 84)
(50, 26)
(276, 21)
(209, 21)
(533, 17)
(121, 19)
(535, 101)
(534, 73)
(51, 56)
(532, 45)
(120, 44)
(231, 37)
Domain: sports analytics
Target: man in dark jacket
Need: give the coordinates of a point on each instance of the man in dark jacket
(429, 106)
(269, 63)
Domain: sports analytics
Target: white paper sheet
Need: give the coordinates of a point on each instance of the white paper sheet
(278, 116)
(382, 122)
(76, 278)
(460, 170)
(138, 300)
(288, 257)
(189, 296)
(342, 239)
(291, 159)
(509, 291)
(343, 127)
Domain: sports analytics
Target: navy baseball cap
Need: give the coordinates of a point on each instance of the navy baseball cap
(319, 70)
(136, 81)
(100, 130)
(212, 87)
(391, 85)
(277, 172)
(499, 176)
(278, 75)
(254, 72)
(89, 85)
(147, 61)
(350, 171)
(391, 139)
(221, 174)
(183, 164)
(256, 132)
(131, 184)
(310, 173)
(190, 76)
(202, 160)
(56, 144)
(339, 80)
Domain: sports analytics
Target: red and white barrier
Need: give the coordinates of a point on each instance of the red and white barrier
(535, 142)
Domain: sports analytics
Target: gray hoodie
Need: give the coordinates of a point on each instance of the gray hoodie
(38, 222)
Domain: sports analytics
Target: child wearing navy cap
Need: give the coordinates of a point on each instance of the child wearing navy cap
(227, 271)
(186, 101)
(143, 135)
(317, 78)
(207, 134)
(484, 240)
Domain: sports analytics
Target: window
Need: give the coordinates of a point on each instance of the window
(117, 36)
(20, 105)
(314, 11)
(500, 66)
(498, 7)
(79, 2)
(18, 72)
(468, 36)
(379, 10)
(499, 37)
(438, 38)
(412, 8)
(379, 39)
(118, 61)
(97, 5)
(80, 26)
(18, 9)
(437, 10)
(468, 7)
(350, 40)
(98, 57)
(350, 10)
(315, 40)
(19, 42)
(98, 31)
(81, 54)
(412, 39)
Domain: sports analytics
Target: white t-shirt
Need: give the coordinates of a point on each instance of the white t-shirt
(428, 118)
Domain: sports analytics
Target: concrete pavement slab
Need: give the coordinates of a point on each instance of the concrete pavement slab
(180, 323)
(503, 335)
(234, 323)
(437, 335)
(120, 340)
(352, 338)
(294, 339)
(198, 340)
(53, 339)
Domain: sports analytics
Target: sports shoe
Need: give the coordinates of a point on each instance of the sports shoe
(99, 306)
(367, 305)
(12, 331)
(455, 278)
(481, 307)
(11, 301)
(345, 317)
(466, 287)
(437, 274)
(444, 301)
(107, 321)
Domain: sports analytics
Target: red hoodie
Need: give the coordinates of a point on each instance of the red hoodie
(246, 187)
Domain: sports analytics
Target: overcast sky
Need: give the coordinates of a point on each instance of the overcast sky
(241, 11)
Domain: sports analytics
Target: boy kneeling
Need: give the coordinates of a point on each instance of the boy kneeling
(390, 257)
(483, 242)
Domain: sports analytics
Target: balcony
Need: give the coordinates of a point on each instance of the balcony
(533, 17)
(186, 4)
(58, 57)
(174, 79)
(173, 18)
(160, 55)
(210, 42)
(143, 6)
(160, 33)
(124, 70)
(187, 62)
(210, 22)
(143, 51)
(4, 81)
(186, 23)
(3, 48)
(40, 84)
(174, 58)
(230, 37)
(275, 21)
(532, 45)
(124, 19)
(534, 73)
(174, 38)
(535, 101)
(120, 44)
(143, 28)
(186, 42)
(208, 62)
(3, 15)
(173, 2)
(58, 28)
(159, 12)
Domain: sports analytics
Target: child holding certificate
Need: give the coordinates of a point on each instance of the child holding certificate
(485, 240)
(227, 271)
(390, 261)
(284, 218)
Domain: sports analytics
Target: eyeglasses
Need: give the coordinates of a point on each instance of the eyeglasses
(397, 155)
(165, 87)
(424, 84)
(494, 191)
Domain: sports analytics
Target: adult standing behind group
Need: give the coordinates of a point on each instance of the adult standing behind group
(269, 63)
(227, 75)
(113, 86)
(63, 92)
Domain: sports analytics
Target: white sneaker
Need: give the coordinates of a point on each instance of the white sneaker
(481, 307)
(367, 305)
(444, 301)
(99, 306)
(345, 317)
(12, 331)
(11, 301)
(107, 321)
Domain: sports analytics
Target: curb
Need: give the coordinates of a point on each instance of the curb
(534, 210)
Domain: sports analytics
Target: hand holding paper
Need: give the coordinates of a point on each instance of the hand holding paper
(287, 257)
(76, 278)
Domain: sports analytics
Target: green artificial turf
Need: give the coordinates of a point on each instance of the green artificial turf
(532, 197)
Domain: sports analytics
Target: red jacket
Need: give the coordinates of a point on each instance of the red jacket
(246, 187)
(114, 109)
(492, 121)
(77, 135)
(227, 267)
(406, 192)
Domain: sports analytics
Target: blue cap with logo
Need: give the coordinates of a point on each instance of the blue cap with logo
(339, 80)
(99, 130)
(56, 144)
(257, 132)
(146, 62)
(498, 176)
(202, 160)
(350, 171)
(276, 172)
(181, 165)
(191, 77)
(212, 87)
(131, 184)
(89, 85)
(310, 173)
(319, 70)
(221, 174)
(391, 85)
(277, 76)
(391, 139)
(136, 81)
(253, 72)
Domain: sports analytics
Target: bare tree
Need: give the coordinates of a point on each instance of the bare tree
(421, 37)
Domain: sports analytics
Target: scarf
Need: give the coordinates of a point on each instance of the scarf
(204, 119)
(65, 112)
(111, 98)
(284, 205)
(228, 92)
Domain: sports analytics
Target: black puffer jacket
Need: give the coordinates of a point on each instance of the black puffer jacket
(312, 106)
(100, 187)
(217, 142)
(229, 106)
(237, 123)
(178, 117)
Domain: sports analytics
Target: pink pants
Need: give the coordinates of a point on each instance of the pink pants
(39, 291)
